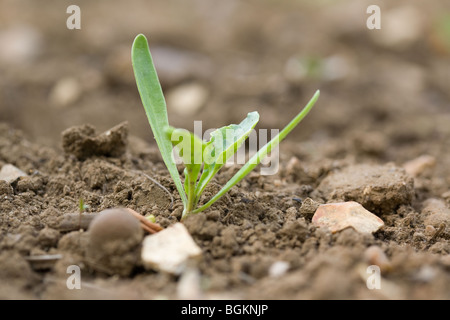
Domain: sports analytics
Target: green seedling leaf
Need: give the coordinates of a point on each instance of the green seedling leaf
(224, 144)
(154, 104)
(190, 146)
(256, 159)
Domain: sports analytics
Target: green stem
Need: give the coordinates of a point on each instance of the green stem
(191, 176)
(190, 198)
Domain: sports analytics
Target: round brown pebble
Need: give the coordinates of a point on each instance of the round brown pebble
(114, 238)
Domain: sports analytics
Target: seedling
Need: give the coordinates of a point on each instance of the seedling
(82, 208)
(202, 160)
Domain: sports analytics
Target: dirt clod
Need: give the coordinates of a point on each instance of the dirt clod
(308, 208)
(83, 143)
(435, 212)
(5, 188)
(380, 189)
(15, 269)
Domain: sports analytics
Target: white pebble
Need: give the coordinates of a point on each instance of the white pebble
(278, 268)
(10, 173)
(170, 250)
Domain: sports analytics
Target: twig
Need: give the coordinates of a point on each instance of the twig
(145, 224)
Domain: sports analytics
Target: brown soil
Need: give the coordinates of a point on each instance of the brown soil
(390, 106)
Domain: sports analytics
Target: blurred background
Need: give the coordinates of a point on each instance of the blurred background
(385, 93)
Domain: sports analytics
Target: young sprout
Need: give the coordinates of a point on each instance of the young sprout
(82, 208)
(202, 160)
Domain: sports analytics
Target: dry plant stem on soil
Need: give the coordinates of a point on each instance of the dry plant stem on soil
(148, 226)
(202, 160)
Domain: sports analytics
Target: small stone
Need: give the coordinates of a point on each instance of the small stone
(374, 255)
(418, 165)
(278, 268)
(308, 208)
(170, 250)
(187, 99)
(401, 27)
(114, 236)
(10, 173)
(425, 274)
(65, 92)
(337, 67)
(446, 195)
(19, 44)
(435, 212)
(339, 216)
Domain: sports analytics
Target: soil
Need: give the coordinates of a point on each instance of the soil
(383, 104)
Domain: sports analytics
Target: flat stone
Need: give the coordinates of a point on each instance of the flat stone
(170, 249)
(10, 173)
(339, 216)
(380, 189)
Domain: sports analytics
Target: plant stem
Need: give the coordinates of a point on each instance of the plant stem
(191, 176)
(190, 197)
